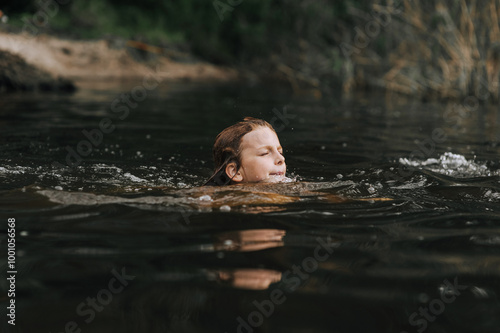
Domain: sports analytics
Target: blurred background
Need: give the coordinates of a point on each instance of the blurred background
(431, 49)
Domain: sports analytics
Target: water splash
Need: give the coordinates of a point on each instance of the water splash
(98, 176)
(450, 164)
(492, 195)
(289, 180)
(14, 170)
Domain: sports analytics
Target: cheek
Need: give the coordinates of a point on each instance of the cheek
(258, 169)
(265, 164)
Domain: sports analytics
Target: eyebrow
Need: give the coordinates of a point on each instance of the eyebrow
(269, 147)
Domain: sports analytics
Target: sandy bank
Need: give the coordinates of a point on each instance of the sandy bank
(101, 59)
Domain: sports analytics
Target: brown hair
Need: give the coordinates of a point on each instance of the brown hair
(227, 148)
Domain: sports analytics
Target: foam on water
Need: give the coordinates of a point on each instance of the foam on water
(454, 165)
(15, 170)
(96, 176)
(492, 195)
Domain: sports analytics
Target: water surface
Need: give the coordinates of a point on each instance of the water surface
(321, 253)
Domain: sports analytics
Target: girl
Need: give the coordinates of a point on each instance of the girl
(250, 152)
(247, 152)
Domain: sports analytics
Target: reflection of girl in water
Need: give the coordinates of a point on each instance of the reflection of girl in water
(248, 152)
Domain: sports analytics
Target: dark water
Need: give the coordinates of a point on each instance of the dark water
(117, 240)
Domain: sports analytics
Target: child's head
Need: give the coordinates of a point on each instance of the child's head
(248, 151)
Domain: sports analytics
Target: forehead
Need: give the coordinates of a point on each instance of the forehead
(259, 137)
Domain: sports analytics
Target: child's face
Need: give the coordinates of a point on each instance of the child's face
(261, 157)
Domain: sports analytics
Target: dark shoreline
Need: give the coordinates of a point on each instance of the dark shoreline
(17, 75)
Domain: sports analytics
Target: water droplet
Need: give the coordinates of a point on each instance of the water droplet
(205, 198)
(225, 208)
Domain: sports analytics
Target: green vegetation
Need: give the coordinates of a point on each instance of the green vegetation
(248, 29)
(446, 48)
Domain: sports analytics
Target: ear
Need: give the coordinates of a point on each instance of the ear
(233, 172)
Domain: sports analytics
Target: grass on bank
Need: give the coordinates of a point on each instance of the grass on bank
(443, 48)
(438, 49)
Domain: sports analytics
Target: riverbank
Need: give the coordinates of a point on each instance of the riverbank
(446, 51)
(17, 75)
(79, 60)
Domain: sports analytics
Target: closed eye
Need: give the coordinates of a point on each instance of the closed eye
(264, 154)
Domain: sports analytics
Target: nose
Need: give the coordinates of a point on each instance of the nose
(280, 159)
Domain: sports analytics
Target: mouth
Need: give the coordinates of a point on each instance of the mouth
(277, 174)
(276, 177)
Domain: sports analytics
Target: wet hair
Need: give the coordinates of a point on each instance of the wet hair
(227, 148)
